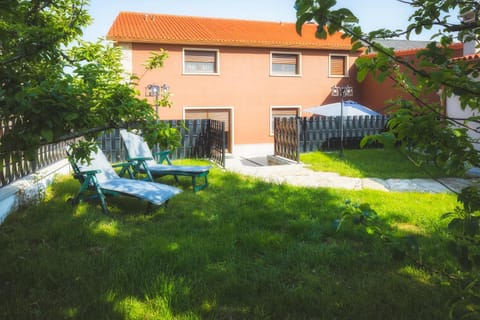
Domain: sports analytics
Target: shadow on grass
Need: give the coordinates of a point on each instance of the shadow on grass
(241, 249)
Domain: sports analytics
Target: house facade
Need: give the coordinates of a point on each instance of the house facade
(245, 73)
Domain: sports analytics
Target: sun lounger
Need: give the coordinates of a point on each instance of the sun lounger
(140, 155)
(100, 177)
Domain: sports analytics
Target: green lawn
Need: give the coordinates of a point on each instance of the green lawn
(241, 249)
(369, 163)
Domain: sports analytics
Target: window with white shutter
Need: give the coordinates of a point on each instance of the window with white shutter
(200, 61)
(285, 64)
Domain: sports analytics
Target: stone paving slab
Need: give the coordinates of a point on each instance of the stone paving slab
(300, 175)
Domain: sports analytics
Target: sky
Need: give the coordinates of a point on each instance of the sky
(373, 14)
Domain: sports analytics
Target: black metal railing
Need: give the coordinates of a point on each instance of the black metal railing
(218, 142)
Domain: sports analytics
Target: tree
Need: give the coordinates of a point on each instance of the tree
(417, 123)
(420, 128)
(52, 85)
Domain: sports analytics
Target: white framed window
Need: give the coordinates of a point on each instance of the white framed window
(285, 63)
(282, 112)
(200, 61)
(338, 65)
(221, 113)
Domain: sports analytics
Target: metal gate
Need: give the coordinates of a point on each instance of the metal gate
(217, 142)
(287, 138)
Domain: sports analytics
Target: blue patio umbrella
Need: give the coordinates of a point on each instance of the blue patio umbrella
(350, 108)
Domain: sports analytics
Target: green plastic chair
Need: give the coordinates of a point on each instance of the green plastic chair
(100, 177)
(143, 161)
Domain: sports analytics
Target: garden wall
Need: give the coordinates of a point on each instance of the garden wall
(30, 188)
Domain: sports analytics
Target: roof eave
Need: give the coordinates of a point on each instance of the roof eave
(260, 44)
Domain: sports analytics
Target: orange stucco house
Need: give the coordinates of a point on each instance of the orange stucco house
(375, 94)
(243, 72)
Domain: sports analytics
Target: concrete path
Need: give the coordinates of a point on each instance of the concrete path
(300, 175)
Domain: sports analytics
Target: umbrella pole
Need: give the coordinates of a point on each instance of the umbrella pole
(342, 92)
(341, 126)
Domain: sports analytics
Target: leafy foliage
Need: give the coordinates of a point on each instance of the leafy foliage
(52, 88)
(464, 225)
(418, 124)
(167, 137)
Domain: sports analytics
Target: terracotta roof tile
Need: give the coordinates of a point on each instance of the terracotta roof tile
(469, 57)
(414, 51)
(170, 29)
(453, 46)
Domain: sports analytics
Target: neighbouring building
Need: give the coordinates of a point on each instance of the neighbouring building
(471, 53)
(375, 95)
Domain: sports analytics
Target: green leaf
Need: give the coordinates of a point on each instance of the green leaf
(47, 134)
(71, 116)
(156, 60)
(321, 33)
(357, 45)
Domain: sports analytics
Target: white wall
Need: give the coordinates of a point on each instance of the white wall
(453, 107)
(469, 48)
(455, 111)
(30, 188)
(127, 59)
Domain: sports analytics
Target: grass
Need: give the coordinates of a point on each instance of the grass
(241, 249)
(369, 163)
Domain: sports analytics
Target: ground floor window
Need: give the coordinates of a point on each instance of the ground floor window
(282, 112)
(213, 113)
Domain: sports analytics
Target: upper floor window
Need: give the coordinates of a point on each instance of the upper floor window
(200, 61)
(285, 64)
(338, 66)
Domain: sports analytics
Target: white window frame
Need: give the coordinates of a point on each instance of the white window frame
(299, 62)
(345, 72)
(232, 118)
(299, 112)
(217, 62)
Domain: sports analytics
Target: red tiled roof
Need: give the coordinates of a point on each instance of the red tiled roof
(470, 57)
(170, 29)
(453, 46)
(411, 52)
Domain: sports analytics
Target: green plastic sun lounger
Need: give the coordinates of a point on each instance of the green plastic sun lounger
(143, 161)
(100, 177)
